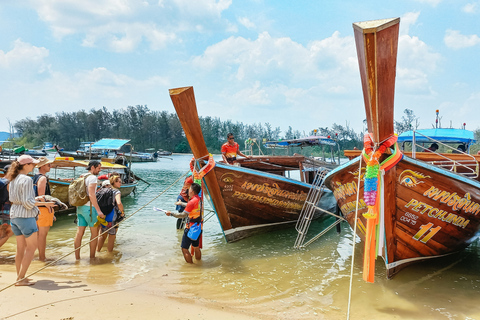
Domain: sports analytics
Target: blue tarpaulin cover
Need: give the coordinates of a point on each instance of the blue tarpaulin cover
(110, 144)
(440, 134)
(302, 142)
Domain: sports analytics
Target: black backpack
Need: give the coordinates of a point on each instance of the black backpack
(105, 199)
(3, 191)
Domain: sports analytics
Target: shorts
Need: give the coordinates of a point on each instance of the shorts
(45, 218)
(5, 216)
(24, 226)
(186, 241)
(84, 218)
(112, 216)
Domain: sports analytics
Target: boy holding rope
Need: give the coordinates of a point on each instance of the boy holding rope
(194, 213)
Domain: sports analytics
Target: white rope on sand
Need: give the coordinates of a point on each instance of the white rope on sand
(354, 238)
(101, 234)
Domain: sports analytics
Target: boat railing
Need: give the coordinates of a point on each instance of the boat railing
(468, 167)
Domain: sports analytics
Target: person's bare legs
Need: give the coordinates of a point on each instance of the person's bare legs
(21, 246)
(111, 242)
(93, 244)
(31, 247)
(78, 241)
(101, 240)
(198, 253)
(187, 255)
(42, 242)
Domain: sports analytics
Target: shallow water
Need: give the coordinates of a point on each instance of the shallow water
(262, 275)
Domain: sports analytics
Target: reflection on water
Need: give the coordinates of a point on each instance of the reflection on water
(263, 274)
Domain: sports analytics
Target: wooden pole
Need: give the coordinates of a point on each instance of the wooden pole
(184, 102)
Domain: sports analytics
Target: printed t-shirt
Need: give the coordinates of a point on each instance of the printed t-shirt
(194, 209)
(229, 150)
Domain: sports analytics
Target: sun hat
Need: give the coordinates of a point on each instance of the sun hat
(43, 161)
(26, 159)
(106, 183)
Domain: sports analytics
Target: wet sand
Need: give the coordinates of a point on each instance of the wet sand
(57, 298)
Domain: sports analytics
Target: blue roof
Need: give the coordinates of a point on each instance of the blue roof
(440, 134)
(302, 142)
(110, 144)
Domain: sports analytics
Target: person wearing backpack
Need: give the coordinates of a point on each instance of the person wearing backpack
(5, 229)
(109, 197)
(195, 217)
(87, 213)
(47, 215)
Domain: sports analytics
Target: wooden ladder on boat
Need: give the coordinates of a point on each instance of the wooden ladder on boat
(310, 207)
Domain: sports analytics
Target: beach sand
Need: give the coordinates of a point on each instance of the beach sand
(57, 298)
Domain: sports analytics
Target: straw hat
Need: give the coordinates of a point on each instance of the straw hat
(43, 161)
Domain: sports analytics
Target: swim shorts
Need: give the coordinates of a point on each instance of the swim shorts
(109, 218)
(24, 226)
(186, 241)
(45, 218)
(84, 218)
(5, 216)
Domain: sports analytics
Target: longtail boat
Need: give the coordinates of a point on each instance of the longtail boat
(253, 196)
(64, 170)
(409, 210)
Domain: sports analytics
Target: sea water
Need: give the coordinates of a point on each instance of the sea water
(262, 275)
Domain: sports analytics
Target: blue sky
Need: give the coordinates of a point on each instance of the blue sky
(288, 63)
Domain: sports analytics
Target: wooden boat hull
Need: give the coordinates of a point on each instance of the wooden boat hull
(258, 202)
(80, 156)
(426, 212)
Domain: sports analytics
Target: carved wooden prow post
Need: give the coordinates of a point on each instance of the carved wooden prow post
(376, 43)
(184, 101)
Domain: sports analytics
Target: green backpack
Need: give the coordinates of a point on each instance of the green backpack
(77, 192)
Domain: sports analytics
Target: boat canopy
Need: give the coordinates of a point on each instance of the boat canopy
(302, 142)
(448, 135)
(63, 163)
(110, 144)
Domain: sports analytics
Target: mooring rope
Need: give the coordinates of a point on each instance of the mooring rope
(354, 237)
(101, 234)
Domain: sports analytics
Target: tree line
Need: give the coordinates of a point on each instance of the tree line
(162, 130)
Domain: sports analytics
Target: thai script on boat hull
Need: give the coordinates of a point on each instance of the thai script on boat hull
(453, 200)
(267, 200)
(274, 190)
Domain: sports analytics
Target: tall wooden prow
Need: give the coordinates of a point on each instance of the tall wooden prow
(376, 43)
(184, 101)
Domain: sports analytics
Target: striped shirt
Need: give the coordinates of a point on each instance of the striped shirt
(22, 197)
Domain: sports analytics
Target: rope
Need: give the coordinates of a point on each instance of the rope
(101, 234)
(354, 238)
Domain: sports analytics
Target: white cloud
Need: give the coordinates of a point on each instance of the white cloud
(24, 62)
(244, 21)
(470, 7)
(121, 25)
(453, 39)
(203, 7)
(408, 19)
(433, 3)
